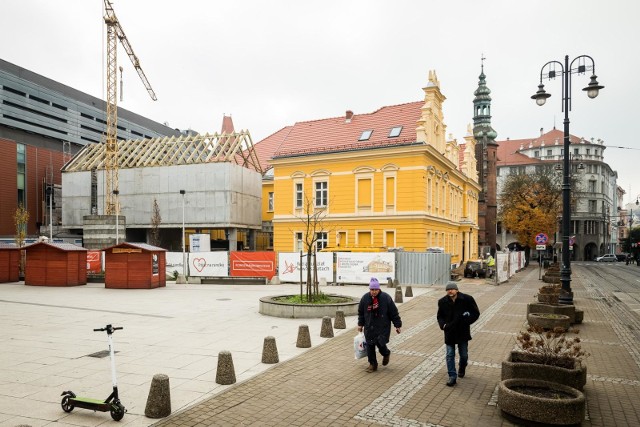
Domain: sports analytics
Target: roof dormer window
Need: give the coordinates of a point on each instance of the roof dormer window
(366, 134)
(395, 131)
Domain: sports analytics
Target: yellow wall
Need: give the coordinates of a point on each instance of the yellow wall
(415, 219)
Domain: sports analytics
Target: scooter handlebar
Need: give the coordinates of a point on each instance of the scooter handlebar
(108, 328)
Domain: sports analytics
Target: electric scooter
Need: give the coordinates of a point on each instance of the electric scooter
(111, 403)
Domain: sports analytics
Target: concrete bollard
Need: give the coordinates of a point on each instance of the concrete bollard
(327, 330)
(181, 280)
(398, 295)
(304, 339)
(275, 280)
(323, 281)
(396, 283)
(339, 323)
(270, 351)
(226, 373)
(159, 400)
(389, 282)
(408, 292)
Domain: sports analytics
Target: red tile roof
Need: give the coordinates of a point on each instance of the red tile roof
(340, 134)
(508, 150)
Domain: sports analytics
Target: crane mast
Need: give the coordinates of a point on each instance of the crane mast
(115, 33)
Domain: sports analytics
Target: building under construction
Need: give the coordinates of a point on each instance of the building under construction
(209, 184)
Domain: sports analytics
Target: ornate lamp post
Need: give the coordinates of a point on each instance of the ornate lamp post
(565, 71)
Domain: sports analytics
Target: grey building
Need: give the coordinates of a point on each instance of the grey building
(594, 220)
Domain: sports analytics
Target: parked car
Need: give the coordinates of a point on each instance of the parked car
(475, 269)
(607, 258)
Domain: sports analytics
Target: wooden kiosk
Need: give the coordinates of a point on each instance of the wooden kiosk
(55, 264)
(134, 266)
(9, 263)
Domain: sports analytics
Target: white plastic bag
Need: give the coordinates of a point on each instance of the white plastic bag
(359, 346)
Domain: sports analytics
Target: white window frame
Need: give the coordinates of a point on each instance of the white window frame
(270, 202)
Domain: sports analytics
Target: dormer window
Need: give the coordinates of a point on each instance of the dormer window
(395, 131)
(365, 135)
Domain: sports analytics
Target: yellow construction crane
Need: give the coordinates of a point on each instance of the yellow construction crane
(115, 33)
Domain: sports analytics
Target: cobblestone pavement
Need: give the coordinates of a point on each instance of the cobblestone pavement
(326, 386)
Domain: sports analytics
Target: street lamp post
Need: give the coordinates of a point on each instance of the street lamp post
(184, 263)
(50, 196)
(115, 193)
(566, 71)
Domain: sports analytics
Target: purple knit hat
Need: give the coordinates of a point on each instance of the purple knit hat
(374, 284)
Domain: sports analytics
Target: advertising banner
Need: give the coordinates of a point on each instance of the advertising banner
(360, 267)
(94, 261)
(253, 264)
(502, 266)
(289, 266)
(174, 263)
(209, 264)
(513, 263)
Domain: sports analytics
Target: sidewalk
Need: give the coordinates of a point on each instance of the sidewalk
(325, 386)
(46, 337)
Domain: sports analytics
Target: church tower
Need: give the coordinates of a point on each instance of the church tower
(486, 149)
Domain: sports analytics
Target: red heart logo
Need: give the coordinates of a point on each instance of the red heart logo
(199, 264)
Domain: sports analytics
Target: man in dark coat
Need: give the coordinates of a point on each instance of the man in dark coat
(456, 313)
(376, 312)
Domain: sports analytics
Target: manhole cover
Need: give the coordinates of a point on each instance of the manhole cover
(100, 354)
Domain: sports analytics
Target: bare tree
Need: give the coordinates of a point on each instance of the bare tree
(156, 220)
(21, 219)
(312, 219)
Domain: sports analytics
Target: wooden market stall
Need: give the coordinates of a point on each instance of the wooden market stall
(9, 263)
(135, 266)
(55, 264)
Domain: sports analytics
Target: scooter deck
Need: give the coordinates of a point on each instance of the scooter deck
(87, 400)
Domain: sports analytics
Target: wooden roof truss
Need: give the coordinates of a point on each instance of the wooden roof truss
(236, 147)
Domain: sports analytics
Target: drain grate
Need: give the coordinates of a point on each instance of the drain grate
(100, 354)
(223, 299)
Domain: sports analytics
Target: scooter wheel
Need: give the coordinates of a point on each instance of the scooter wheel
(66, 404)
(117, 411)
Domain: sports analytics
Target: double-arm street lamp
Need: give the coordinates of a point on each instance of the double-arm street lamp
(565, 71)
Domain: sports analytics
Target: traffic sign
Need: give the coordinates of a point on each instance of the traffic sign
(541, 247)
(541, 238)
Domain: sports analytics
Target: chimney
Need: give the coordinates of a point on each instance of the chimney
(348, 116)
(541, 131)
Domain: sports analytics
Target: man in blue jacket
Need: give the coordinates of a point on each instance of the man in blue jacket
(376, 312)
(456, 313)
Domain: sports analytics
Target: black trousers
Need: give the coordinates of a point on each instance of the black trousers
(371, 350)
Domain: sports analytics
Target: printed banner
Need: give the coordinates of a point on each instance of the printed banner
(502, 267)
(360, 267)
(253, 264)
(209, 264)
(94, 261)
(174, 263)
(289, 266)
(513, 263)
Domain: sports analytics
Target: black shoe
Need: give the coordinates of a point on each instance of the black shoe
(451, 382)
(461, 371)
(385, 359)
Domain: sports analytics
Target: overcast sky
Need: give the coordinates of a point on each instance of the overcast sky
(272, 63)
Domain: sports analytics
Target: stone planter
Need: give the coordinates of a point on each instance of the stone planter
(527, 401)
(549, 320)
(270, 307)
(567, 310)
(524, 365)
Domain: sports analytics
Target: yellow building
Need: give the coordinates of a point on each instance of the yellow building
(388, 178)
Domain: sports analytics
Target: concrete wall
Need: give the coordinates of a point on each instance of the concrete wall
(217, 195)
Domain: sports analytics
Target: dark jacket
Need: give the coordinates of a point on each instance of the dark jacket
(377, 323)
(456, 327)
